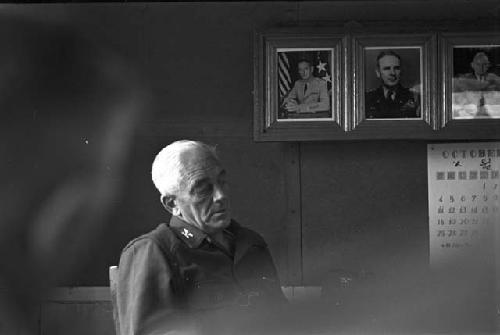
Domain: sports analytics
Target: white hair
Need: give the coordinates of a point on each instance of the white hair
(167, 169)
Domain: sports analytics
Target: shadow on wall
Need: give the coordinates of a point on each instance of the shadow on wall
(68, 112)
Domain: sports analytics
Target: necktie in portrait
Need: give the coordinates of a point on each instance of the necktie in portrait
(391, 95)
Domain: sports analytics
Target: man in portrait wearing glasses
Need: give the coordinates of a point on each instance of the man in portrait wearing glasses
(196, 274)
(391, 99)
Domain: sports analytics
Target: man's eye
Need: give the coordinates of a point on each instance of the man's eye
(204, 190)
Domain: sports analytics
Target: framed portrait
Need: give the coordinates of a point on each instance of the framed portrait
(471, 79)
(394, 85)
(304, 84)
(298, 87)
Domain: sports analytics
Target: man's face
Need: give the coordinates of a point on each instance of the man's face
(203, 197)
(389, 70)
(305, 70)
(480, 65)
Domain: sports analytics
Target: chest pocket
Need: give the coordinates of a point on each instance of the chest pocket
(209, 294)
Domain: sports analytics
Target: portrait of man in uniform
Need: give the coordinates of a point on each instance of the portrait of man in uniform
(304, 84)
(476, 82)
(393, 83)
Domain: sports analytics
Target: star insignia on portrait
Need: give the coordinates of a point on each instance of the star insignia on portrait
(186, 233)
(321, 66)
(327, 78)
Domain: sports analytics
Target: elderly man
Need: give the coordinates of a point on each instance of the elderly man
(391, 99)
(201, 264)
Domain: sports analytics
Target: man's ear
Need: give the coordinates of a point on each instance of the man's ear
(168, 201)
(377, 72)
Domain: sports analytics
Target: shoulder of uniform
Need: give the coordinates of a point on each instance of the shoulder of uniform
(319, 81)
(372, 93)
(248, 234)
(465, 76)
(408, 92)
(160, 236)
(405, 90)
(255, 238)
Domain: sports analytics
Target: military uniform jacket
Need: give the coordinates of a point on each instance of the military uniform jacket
(406, 104)
(172, 275)
(470, 82)
(313, 98)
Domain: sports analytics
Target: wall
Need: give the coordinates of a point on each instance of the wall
(323, 207)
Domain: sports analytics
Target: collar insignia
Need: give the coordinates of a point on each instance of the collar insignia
(186, 233)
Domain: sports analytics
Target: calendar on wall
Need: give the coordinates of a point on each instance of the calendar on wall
(464, 188)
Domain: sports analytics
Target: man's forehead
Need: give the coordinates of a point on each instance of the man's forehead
(198, 163)
(481, 59)
(197, 177)
(388, 60)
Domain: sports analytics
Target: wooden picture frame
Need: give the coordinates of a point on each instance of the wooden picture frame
(470, 84)
(299, 87)
(428, 66)
(394, 87)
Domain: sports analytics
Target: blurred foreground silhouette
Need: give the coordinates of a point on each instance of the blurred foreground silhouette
(68, 112)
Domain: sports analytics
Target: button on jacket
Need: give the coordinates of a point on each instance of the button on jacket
(171, 276)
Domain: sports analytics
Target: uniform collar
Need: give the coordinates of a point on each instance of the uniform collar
(194, 236)
(395, 89)
(188, 233)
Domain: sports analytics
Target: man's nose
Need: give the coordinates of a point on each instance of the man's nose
(219, 193)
